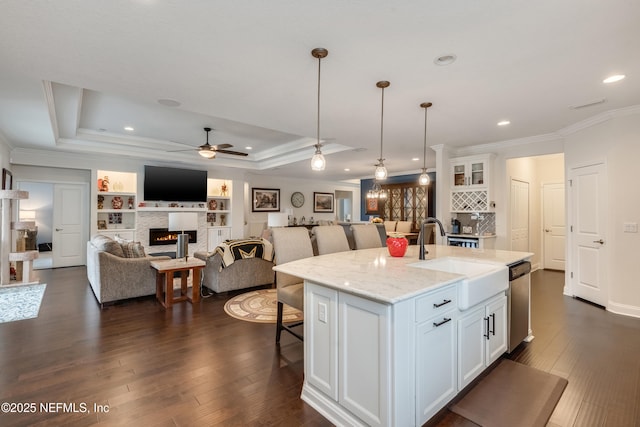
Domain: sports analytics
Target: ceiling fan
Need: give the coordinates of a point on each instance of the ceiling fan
(209, 151)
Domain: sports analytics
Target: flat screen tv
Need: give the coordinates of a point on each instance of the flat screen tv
(174, 185)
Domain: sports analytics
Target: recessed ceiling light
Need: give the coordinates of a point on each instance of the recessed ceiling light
(169, 102)
(415, 159)
(614, 78)
(445, 59)
(504, 122)
(129, 128)
(347, 169)
(248, 148)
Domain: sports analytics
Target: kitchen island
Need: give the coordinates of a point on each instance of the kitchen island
(386, 340)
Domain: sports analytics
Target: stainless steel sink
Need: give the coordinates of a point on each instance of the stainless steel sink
(482, 279)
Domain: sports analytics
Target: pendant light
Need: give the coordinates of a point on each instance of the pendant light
(318, 161)
(381, 171)
(424, 177)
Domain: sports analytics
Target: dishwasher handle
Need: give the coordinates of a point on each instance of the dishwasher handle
(519, 269)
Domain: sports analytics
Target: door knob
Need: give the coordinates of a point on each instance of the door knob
(59, 229)
(546, 230)
(599, 241)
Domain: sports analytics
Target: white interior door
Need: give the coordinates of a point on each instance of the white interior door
(588, 222)
(553, 226)
(519, 215)
(69, 224)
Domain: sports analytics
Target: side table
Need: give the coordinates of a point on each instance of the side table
(164, 280)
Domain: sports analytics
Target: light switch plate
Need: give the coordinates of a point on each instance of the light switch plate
(322, 312)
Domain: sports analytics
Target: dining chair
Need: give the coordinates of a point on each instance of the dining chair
(366, 236)
(290, 244)
(330, 239)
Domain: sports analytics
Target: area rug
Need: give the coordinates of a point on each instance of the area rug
(20, 302)
(260, 306)
(512, 394)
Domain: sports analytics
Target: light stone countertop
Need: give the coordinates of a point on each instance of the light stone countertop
(376, 275)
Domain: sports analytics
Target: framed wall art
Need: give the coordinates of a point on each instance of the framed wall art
(373, 206)
(265, 200)
(7, 179)
(323, 202)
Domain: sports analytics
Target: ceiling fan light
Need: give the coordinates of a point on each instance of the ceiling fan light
(207, 154)
(318, 162)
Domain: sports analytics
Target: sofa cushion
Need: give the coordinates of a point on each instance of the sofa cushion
(107, 244)
(133, 250)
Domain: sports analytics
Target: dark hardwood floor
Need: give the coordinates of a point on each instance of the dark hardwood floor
(194, 365)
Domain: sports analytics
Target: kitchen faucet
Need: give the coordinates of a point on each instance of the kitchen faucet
(429, 220)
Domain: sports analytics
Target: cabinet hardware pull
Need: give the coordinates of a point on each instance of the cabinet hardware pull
(446, 301)
(486, 319)
(444, 320)
(493, 320)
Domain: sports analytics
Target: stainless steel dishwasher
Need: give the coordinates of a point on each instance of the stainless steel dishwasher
(518, 302)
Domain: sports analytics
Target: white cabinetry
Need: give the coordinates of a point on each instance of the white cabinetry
(217, 235)
(471, 183)
(436, 350)
(362, 376)
(482, 338)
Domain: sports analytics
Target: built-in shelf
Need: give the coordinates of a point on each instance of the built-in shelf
(170, 209)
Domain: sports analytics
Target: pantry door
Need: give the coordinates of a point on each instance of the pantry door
(553, 218)
(69, 225)
(519, 215)
(588, 229)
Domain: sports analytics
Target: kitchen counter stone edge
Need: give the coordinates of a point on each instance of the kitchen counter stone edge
(376, 275)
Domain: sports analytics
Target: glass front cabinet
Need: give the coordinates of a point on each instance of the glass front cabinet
(470, 171)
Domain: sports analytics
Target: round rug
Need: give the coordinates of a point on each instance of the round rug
(260, 306)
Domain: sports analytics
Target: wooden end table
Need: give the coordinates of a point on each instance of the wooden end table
(164, 280)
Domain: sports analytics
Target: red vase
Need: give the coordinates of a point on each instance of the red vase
(397, 246)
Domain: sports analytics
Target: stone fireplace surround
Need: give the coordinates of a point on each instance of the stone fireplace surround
(160, 219)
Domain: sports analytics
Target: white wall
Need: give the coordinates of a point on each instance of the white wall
(288, 186)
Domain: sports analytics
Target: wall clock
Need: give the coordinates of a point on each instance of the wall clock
(297, 199)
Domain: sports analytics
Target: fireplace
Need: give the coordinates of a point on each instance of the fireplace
(162, 236)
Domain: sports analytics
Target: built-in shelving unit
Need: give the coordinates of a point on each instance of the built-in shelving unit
(117, 203)
(218, 212)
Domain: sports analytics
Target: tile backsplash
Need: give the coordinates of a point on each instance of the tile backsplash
(485, 225)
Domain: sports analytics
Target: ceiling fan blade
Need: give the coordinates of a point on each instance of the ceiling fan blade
(221, 146)
(235, 153)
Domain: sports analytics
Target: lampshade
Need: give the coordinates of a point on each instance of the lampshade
(181, 221)
(27, 215)
(277, 219)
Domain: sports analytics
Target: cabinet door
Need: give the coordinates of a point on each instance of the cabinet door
(477, 173)
(459, 174)
(215, 236)
(497, 343)
(435, 365)
(364, 360)
(471, 345)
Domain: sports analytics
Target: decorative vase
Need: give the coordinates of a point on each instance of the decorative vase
(116, 202)
(213, 204)
(397, 245)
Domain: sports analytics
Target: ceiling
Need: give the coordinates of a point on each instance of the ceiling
(75, 73)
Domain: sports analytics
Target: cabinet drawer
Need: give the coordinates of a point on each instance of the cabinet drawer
(436, 303)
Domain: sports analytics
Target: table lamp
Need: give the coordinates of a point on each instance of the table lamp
(181, 221)
(277, 220)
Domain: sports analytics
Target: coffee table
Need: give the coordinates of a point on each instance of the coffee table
(164, 280)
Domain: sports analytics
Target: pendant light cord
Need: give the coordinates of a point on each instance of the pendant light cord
(424, 153)
(318, 121)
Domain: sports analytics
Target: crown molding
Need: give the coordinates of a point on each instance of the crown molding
(47, 87)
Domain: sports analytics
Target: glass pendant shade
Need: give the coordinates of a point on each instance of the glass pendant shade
(318, 162)
(381, 171)
(424, 178)
(207, 153)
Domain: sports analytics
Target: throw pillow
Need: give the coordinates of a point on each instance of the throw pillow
(107, 244)
(133, 250)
